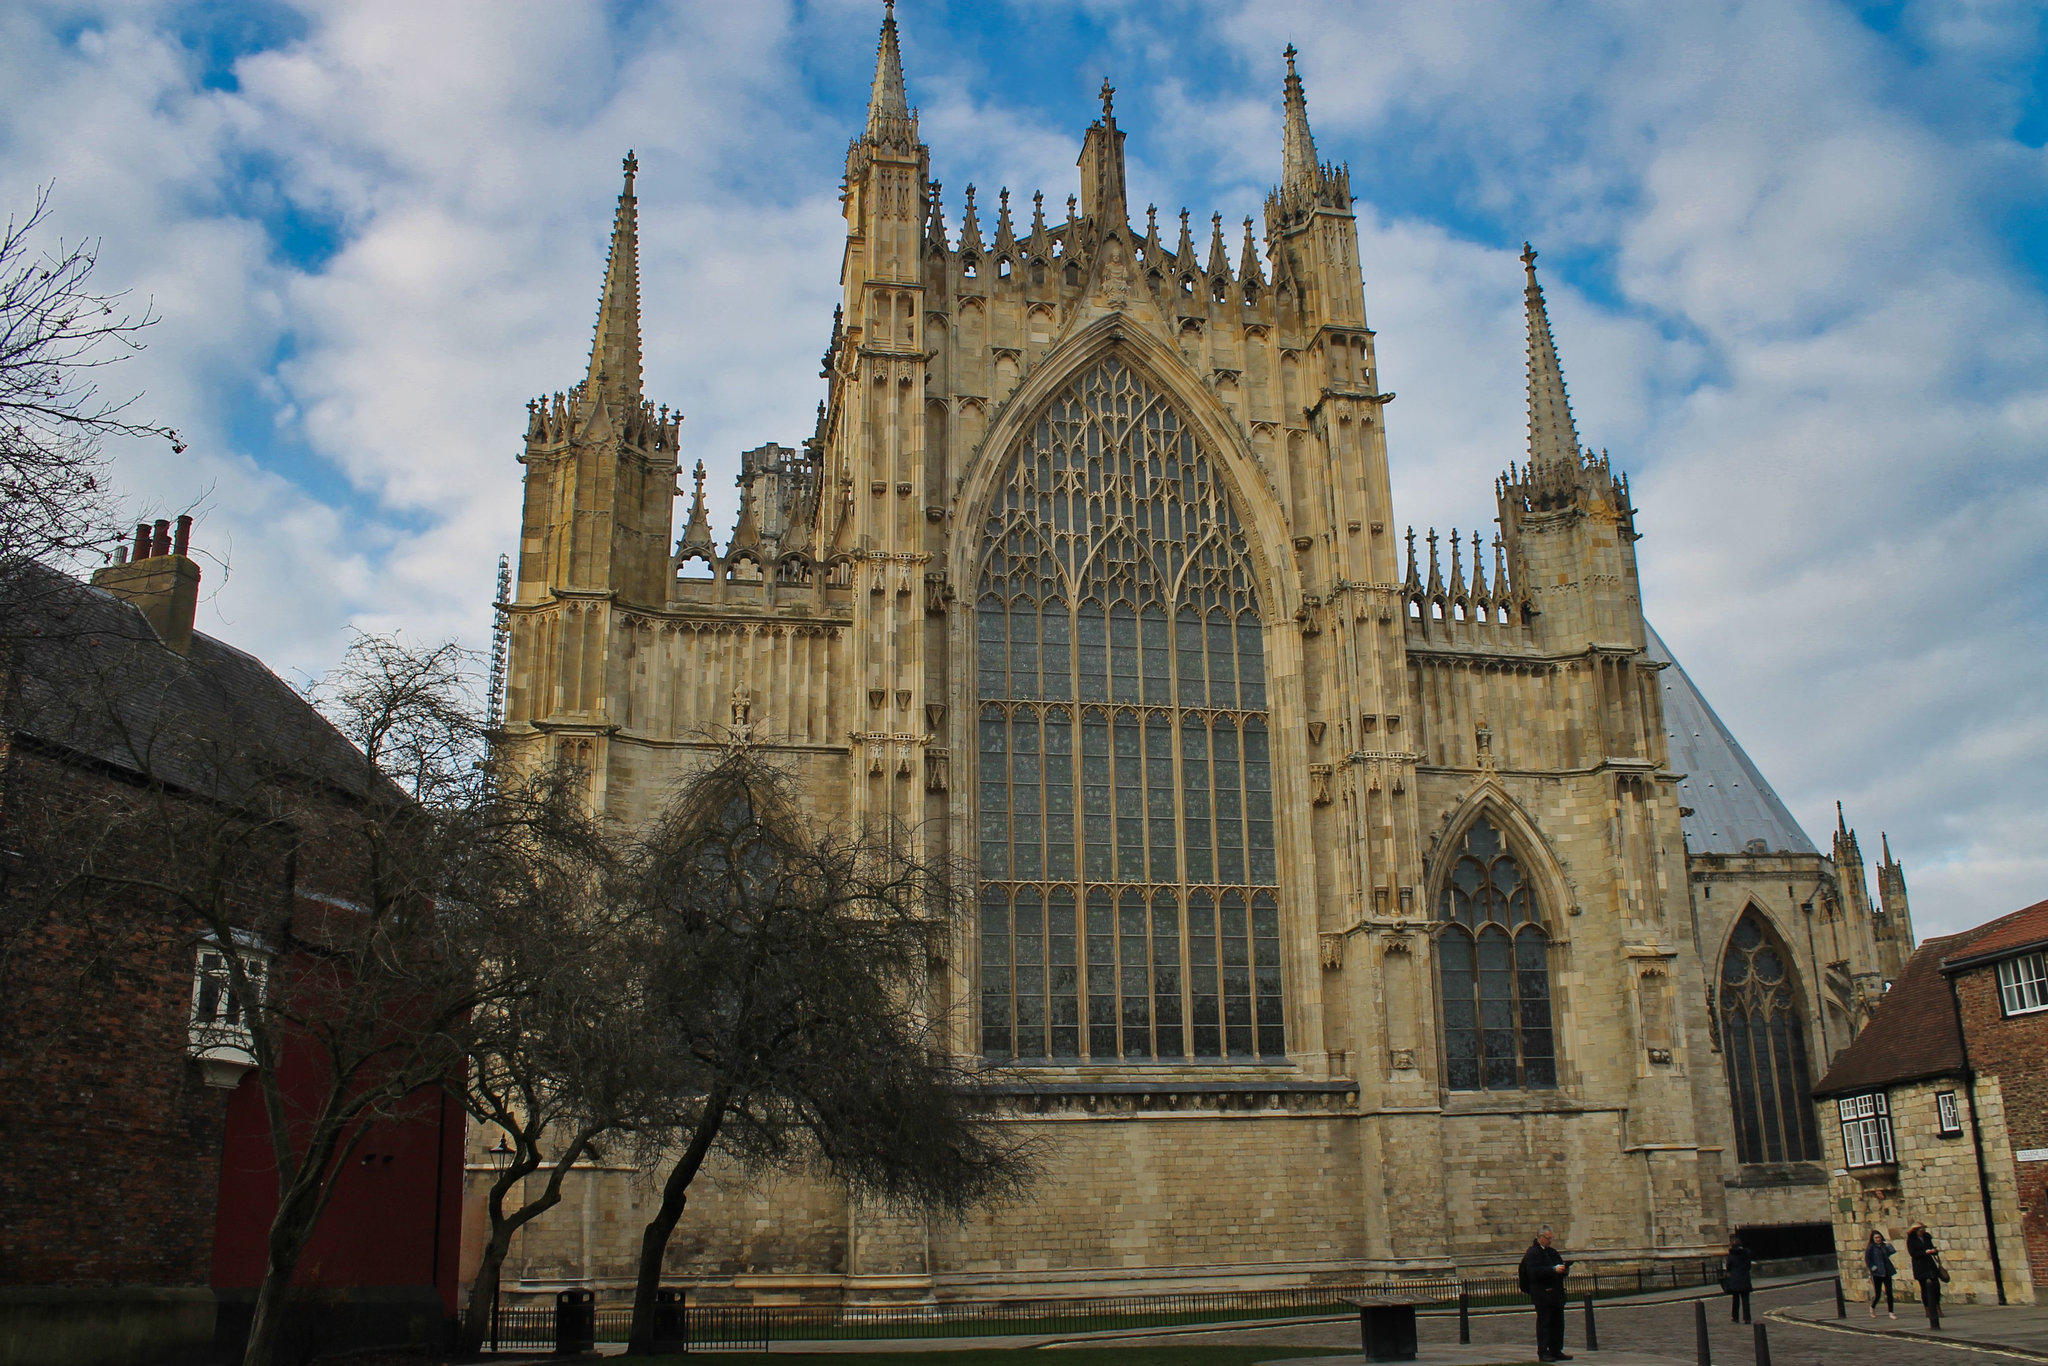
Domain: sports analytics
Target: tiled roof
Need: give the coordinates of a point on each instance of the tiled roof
(1913, 1033)
(95, 680)
(2024, 928)
(1731, 804)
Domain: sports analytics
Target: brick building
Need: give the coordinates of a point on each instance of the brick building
(1939, 1111)
(139, 1184)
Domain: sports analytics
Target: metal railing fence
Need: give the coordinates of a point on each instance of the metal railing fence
(718, 1326)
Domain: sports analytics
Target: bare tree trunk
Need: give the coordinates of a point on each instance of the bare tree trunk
(289, 1232)
(476, 1315)
(675, 1194)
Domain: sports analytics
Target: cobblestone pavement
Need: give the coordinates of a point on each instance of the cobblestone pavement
(1656, 1330)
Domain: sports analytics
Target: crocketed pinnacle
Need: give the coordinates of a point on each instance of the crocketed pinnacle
(1300, 173)
(1553, 439)
(697, 532)
(615, 349)
(888, 107)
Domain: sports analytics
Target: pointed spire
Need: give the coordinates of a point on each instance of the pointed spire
(970, 228)
(1479, 594)
(888, 107)
(1553, 440)
(615, 347)
(1102, 170)
(1219, 255)
(935, 222)
(1152, 247)
(697, 531)
(1414, 580)
(1184, 254)
(1436, 578)
(747, 535)
(1248, 268)
(1037, 239)
(1006, 235)
(1300, 172)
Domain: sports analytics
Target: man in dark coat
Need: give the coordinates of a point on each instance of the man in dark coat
(1542, 1276)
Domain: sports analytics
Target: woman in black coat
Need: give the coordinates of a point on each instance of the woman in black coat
(1736, 1272)
(1926, 1270)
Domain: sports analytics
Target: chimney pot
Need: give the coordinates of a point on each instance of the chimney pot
(184, 537)
(141, 551)
(161, 545)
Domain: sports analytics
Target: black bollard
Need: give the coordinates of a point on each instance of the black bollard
(1464, 1318)
(1699, 1332)
(1841, 1306)
(1763, 1346)
(1592, 1330)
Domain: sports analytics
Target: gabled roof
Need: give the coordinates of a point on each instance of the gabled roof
(2025, 928)
(1731, 803)
(94, 680)
(1913, 1035)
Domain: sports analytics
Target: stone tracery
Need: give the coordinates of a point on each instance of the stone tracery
(1130, 892)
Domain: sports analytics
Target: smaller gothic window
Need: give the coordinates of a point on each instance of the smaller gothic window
(1763, 1044)
(1494, 967)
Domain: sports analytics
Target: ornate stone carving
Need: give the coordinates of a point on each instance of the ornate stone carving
(1332, 951)
(1403, 1059)
(1319, 784)
(1315, 731)
(937, 762)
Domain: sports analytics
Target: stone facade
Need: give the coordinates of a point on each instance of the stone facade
(1404, 701)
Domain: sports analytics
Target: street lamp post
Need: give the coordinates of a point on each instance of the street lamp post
(501, 1155)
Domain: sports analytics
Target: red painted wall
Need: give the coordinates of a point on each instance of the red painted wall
(393, 1219)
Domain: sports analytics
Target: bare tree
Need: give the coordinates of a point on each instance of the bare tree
(348, 882)
(559, 1065)
(785, 967)
(57, 333)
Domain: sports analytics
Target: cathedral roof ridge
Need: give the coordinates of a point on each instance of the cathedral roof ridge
(1732, 803)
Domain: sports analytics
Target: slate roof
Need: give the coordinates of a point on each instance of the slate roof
(94, 680)
(1731, 802)
(1913, 1036)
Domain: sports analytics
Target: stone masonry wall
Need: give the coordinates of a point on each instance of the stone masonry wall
(1934, 1181)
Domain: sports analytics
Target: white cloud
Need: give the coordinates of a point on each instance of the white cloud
(1772, 249)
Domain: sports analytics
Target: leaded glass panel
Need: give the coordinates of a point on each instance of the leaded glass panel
(1130, 904)
(1493, 968)
(1763, 1045)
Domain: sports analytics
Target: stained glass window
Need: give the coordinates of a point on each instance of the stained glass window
(1763, 1043)
(1493, 958)
(1129, 896)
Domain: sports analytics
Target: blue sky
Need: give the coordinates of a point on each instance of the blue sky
(1797, 255)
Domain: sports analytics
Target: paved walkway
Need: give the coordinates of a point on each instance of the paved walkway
(2017, 1331)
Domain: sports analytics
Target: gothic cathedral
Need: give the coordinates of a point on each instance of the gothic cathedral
(1345, 906)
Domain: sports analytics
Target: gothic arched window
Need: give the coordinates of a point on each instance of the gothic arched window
(1129, 893)
(1763, 1043)
(1494, 960)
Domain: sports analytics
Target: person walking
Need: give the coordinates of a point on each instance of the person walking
(1927, 1269)
(1735, 1275)
(1542, 1277)
(1877, 1260)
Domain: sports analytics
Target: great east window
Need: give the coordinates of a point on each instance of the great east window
(1494, 962)
(1129, 889)
(1764, 1046)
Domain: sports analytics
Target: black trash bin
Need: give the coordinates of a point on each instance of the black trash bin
(575, 1322)
(671, 1321)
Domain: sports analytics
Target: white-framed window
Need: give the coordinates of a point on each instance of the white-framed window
(2023, 983)
(1948, 1115)
(218, 1032)
(1867, 1129)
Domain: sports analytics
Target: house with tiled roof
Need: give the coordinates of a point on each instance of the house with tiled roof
(1938, 1112)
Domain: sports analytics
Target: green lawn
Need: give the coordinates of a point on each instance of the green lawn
(1064, 1356)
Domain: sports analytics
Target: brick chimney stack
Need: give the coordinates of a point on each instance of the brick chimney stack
(160, 578)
